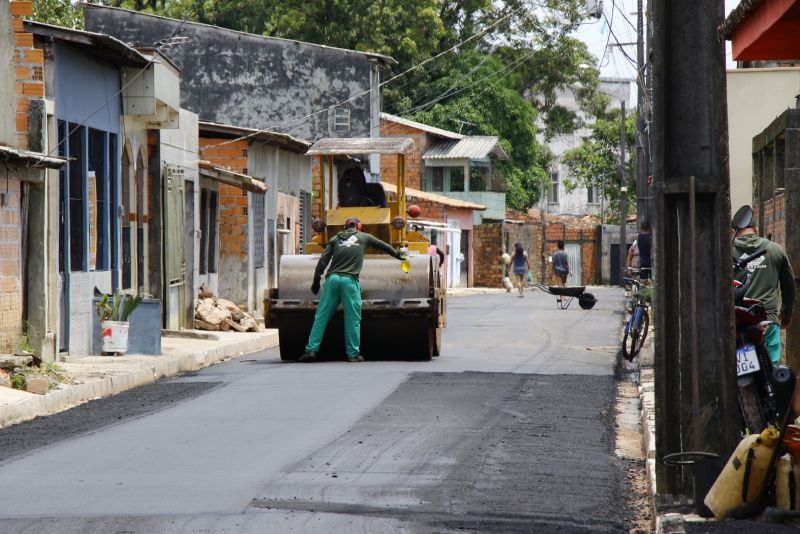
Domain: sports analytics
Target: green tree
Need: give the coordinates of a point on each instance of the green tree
(595, 162)
(58, 12)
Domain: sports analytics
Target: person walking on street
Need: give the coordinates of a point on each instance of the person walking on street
(521, 268)
(644, 243)
(771, 278)
(632, 261)
(345, 253)
(561, 266)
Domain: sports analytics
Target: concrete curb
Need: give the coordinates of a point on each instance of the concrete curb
(145, 370)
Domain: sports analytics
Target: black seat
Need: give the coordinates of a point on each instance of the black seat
(352, 188)
(376, 194)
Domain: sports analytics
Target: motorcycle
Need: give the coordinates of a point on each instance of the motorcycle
(763, 390)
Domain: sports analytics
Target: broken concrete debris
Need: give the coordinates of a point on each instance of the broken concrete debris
(217, 314)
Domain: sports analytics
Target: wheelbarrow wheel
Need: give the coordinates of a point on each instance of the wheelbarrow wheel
(586, 301)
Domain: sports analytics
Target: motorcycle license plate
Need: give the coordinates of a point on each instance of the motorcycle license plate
(746, 360)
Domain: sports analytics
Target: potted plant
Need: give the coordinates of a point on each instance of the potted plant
(113, 311)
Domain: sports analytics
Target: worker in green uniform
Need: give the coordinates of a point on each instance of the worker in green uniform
(345, 253)
(771, 278)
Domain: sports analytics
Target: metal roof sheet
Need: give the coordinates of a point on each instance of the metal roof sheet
(37, 159)
(98, 44)
(433, 197)
(472, 147)
(229, 177)
(420, 126)
(736, 16)
(334, 146)
(289, 142)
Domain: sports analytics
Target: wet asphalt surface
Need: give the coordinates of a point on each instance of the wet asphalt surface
(510, 430)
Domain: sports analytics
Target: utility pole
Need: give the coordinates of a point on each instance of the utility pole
(695, 394)
(623, 198)
(644, 194)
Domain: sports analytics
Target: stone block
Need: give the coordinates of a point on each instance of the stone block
(37, 384)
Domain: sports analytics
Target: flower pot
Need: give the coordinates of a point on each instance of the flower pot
(115, 336)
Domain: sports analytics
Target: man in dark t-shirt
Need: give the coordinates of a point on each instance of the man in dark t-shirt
(345, 253)
(645, 243)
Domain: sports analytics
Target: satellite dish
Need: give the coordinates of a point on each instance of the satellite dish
(743, 218)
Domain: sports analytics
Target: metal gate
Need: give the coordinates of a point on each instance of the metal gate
(575, 277)
(174, 258)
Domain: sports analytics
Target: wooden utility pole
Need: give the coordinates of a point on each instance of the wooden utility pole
(644, 194)
(623, 198)
(695, 387)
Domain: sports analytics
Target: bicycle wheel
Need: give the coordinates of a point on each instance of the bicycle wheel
(630, 342)
(643, 326)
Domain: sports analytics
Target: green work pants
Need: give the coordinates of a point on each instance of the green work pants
(346, 290)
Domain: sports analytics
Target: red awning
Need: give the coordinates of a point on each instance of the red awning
(766, 30)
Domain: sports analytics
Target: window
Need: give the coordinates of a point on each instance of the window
(98, 204)
(112, 219)
(437, 179)
(62, 194)
(125, 206)
(77, 205)
(208, 231)
(341, 120)
(591, 194)
(456, 179)
(553, 199)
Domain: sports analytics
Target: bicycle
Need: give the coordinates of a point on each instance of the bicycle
(638, 322)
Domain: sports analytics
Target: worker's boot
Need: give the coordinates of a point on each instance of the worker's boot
(310, 356)
(356, 358)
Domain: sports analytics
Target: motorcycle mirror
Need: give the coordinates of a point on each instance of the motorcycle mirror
(743, 218)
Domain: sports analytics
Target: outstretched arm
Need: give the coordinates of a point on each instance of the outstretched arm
(385, 247)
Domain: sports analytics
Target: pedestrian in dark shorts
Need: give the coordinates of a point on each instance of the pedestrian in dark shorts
(561, 267)
(645, 243)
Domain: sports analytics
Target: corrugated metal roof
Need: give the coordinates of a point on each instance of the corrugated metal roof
(420, 126)
(433, 197)
(282, 140)
(37, 159)
(334, 146)
(739, 13)
(472, 147)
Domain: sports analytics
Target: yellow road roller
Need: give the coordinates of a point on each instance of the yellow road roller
(402, 313)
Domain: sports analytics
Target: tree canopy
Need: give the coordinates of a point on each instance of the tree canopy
(495, 67)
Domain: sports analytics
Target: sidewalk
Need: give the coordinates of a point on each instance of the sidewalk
(93, 377)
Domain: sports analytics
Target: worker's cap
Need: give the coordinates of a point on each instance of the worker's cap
(743, 218)
(352, 222)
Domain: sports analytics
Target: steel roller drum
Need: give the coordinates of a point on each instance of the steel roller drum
(381, 278)
(398, 316)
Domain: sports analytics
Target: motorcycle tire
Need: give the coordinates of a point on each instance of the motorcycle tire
(750, 407)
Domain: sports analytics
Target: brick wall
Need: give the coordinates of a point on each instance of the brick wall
(233, 202)
(28, 70)
(414, 164)
(775, 220)
(10, 266)
(491, 239)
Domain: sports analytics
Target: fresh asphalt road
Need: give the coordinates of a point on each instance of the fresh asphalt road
(510, 430)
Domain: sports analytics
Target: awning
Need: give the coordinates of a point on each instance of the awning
(475, 147)
(335, 146)
(281, 140)
(30, 159)
(762, 30)
(438, 199)
(228, 177)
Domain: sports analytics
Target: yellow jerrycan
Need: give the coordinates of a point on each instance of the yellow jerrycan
(743, 476)
(787, 484)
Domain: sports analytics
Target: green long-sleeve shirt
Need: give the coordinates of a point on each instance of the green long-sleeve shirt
(768, 273)
(345, 252)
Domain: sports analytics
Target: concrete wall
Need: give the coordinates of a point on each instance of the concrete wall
(249, 80)
(755, 98)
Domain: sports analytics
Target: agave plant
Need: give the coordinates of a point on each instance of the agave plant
(117, 307)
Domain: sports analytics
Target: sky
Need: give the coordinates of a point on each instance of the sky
(620, 16)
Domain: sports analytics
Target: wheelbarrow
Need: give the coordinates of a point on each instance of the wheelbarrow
(585, 300)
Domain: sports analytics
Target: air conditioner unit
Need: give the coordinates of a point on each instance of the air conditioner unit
(594, 8)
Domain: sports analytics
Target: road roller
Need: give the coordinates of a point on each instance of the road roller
(402, 313)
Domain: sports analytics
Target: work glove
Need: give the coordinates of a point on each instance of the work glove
(315, 287)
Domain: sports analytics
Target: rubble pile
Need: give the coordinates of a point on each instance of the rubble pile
(216, 314)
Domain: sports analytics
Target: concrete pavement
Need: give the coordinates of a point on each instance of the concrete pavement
(94, 377)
